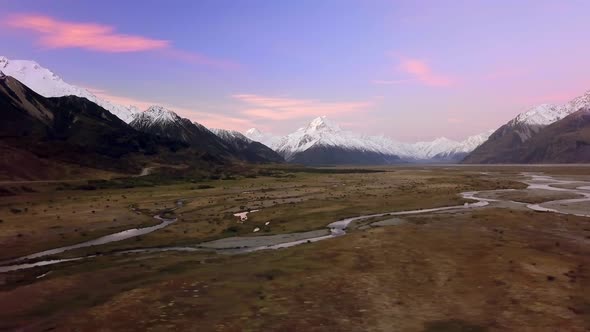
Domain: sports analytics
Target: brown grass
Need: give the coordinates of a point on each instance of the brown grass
(475, 270)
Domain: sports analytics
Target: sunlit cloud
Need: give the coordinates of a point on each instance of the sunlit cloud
(283, 108)
(415, 70)
(91, 36)
(57, 34)
(422, 72)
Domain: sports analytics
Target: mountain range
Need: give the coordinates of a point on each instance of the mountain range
(320, 139)
(545, 133)
(324, 142)
(43, 123)
(39, 132)
(162, 122)
(57, 137)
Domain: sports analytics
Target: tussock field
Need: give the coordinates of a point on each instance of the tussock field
(494, 268)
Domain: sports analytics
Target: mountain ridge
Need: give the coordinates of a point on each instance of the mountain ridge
(48, 84)
(509, 143)
(70, 130)
(162, 122)
(323, 132)
(248, 149)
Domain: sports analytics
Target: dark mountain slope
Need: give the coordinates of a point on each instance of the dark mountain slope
(246, 148)
(565, 141)
(74, 130)
(503, 146)
(333, 155)
(161, 122)
(511, 142)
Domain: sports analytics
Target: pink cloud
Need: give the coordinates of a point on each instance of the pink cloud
(55, 33)
(201, 59)
(422, 72)
(210, 120)
(281, 108)
(91, 36)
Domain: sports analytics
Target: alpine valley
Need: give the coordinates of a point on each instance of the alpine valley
(286, 166)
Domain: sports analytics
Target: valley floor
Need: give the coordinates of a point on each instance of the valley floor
(502, 267)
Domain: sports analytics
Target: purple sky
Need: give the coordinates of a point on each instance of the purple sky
(412, 70)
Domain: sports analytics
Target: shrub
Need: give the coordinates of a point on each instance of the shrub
(86, 187)
(231, 229)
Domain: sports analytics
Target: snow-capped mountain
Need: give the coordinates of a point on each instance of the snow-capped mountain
(248, 149)
(156, 115)
(48, 84)
(264, 138)
(162, 122)
(506, 143)
(545, 114)
(230, 135)
(323, 133)
(456, 151)
(46, 137)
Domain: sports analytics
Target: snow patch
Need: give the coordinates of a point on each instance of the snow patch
(546, 114)
(230, 135)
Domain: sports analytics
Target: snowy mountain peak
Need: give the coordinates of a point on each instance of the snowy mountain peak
(546, 114)
(2, 74)
(158, 113)
(267, 139)
(578, 103)
(472, 142)
(322, 123)
(442, 140)
(28, 68)
(541, 115)
(48, 84)
(253, 132)
(230, 135)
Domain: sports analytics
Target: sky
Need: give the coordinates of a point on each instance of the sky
(411, 70)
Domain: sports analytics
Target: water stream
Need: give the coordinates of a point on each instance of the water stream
(548, 183)
(335, 229)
